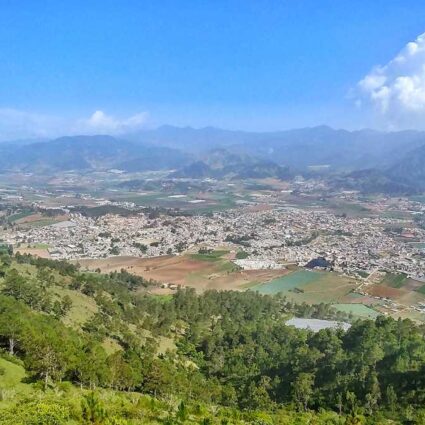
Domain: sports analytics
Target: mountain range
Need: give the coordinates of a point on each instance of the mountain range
(220, 163)
(364, 160)
(299, 148)
(88, 153)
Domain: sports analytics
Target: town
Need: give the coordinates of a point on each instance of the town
(269, 237)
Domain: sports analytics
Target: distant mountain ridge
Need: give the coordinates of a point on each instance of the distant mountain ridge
(88, 153)
(220, 163)
(410, 169)
(366, 160)
(299, 148)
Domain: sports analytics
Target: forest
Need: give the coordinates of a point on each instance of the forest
(92, 348)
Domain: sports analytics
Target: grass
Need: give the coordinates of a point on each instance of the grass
(287, 283)
(394, 280)
(83, 307)
(227, 266)
(362, 273)
(20, 215)
(12, 375)
(211, 256)
(163, 298)
(421, 290)
(311, 287)
(11, 382)
(241, 255)
(357, 310)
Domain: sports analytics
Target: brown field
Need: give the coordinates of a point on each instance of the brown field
(405, 296)
(184, 270)
(29, 219)
(37, 252)
(411, 298)
(412, 285)
(34, 218)
(385, 291)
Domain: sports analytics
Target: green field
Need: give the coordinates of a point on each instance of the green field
(20, 215)
(311, 287)
(394, 280)
(11, 382)
(421, 290)
(288, 283)
(12, 374)
(210, 256)
(357, 310)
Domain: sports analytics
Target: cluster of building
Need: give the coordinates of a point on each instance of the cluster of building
(269, 238)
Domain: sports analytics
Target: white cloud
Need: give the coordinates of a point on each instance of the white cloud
(397, 89)
(18, 124)
(100, 122)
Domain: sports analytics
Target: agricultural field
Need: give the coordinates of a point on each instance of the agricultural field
(357, 310)
(192, 201)
(310, 287)
(30, 219)
(38, 250)
(399, 288)
(314, 287)
(20, 216)
(200, 271)
(394, 280)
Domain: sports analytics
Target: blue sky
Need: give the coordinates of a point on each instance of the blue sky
(255, 65)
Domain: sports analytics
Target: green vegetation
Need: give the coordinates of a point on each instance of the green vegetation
(241, 255)
(19, 215)
(209, 255)
(362, 273)
(11, 374)
(215, 358)
(292, 281)
(357, 310)
(394, 280)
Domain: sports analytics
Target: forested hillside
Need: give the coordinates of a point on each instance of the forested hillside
(79, 347)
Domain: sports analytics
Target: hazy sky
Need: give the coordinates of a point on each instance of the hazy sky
(115, 66)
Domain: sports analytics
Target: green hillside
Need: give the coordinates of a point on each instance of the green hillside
(89, 348)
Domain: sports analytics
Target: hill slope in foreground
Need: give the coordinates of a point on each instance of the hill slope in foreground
(91, 348)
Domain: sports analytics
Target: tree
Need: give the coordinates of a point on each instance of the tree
(257, 396)
(92, 368)
(123, 374)
(13, 321)
(391, 398)
(26, 290)
(303, 390)
(93, 410)
(50, 350)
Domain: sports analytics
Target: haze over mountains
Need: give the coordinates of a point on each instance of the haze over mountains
(367, 160)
